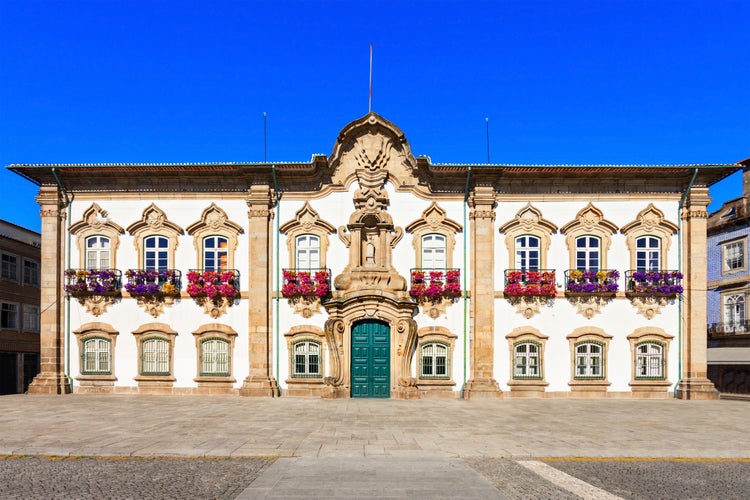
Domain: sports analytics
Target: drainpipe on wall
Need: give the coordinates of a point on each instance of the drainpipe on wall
(277, 205)
(463, 271)
(68, 203)
(679, 268)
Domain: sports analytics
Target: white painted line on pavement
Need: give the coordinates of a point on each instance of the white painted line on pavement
(567, 482)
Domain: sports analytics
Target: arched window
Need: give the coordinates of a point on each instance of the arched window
(96, 356)
(306, 359)
(434, 360)
(215, 358)
(155, 357)
(308, 252)
(649, 361)
(527, 360)
(215, 253)
(647, 253)
(588, 253)
(734, 312)
(589, 360)
(527, 253)
(156, 253)
(97, 252)
(433, 251)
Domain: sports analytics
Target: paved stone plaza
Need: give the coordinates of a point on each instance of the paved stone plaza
(312, 448)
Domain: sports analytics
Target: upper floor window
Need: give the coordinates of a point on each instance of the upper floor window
(9, 267)
(215, 357)
(527, 253)
(734, 310)
(215, 253)
(647, 254)
(155, 353)
(589, 360)
(307, 251)
(434, 360)
(649, 360)
(433, 251)
(734, 256)
(95, 357)
(30, 272)
(587, 253)
(9, 316)
(97, 252)
(526, 360)
(30, 318)
(306, 359)
(156, 253)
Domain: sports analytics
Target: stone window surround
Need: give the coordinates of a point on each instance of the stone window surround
(528, 222)
(312, 334)
(436, 335)
(525, 334)
(97, 330)
(724, 294)
(214, 331)
(154, 223)
(649, 334)
(18, 275)
(38, 272)
(589, 221)
(649, 222)
(293, 360)
(18, 315)
(743, 245)
(306, 221)
(214, 222)
(95, 222)
(150, 331)
(434, 221)
(582, 335)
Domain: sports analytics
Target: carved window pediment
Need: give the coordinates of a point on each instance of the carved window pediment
(154, 222)
(589, 221)
(214, 222)
(434, 220)
(307, 221)
(528, 221)
(95, 221)
(649, 222)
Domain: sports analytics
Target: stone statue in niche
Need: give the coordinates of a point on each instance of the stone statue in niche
(370, 250)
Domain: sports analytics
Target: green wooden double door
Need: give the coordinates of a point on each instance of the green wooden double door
(371, 360)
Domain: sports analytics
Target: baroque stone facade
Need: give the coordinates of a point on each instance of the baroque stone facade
(375, 273)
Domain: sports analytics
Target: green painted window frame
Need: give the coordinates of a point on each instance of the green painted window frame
(602, 355)
(85, 354)
(539, 365)
(662, 360)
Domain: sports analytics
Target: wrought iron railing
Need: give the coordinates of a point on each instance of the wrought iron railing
(589, 281)
(143, 282)
(213, 284)
(434, 284)
(729, 328)
(655, 283)
(527, 283)
(306, 283)
(84, 282)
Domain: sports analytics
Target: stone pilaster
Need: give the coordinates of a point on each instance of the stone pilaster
(482, 383)
(260, 382)
(52, 379)
(694, 383)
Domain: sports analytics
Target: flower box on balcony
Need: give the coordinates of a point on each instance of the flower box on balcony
(308, 285)
(152, 284)
(434, 285)
(521, 283)
(213, 285)
(653, 283)
(589, 282)
(88, 282)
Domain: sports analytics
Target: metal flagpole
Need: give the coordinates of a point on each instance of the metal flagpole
(265, 137)
(487, 128)
(369, 101)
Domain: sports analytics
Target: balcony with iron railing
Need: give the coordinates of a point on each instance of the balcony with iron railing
(88, 282)
(656, 283)
(430, 284)
(212, 284)
(729, 328)
(306, 284)
(150, 283)
(525, 283)
(590, 282)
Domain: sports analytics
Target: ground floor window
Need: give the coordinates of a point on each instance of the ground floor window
(589, 360)
(434, 360)
(155, 357)
(215, 358)
(96, 357)
(649, 361)
(527, 360)
(306, 359)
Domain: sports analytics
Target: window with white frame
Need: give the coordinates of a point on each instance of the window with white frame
(734, 256)
(734, 311)
(97, 252)
(96, 356)
(649, 361)
(30, 272)
(30, 318)
(156, 253)
(527, 361)
(527, 253)
(589, 360)
(155, 357)
(215, 253)
(433, 251)
(306, 359)
(308, 252)
(588, 253)
(9, 268)
(434, 360)
(215, 358)
(9, 316)
(647, 253)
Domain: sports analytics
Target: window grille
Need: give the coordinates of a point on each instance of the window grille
(589, 360)
(527, 362)
(155, 357)
(215, 357)
(434, 360)
(649, 361)
(307, 359)
(96, 357)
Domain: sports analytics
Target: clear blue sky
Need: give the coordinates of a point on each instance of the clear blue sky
(561, 81)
